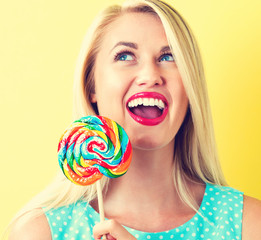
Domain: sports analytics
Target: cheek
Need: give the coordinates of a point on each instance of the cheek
(182, 98)
(180, 101)
(178, 91)
(109, 78)
(109, 95)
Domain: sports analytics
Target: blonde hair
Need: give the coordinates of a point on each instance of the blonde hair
(195, 149)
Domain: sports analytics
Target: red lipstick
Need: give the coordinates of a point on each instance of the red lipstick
(147, 108)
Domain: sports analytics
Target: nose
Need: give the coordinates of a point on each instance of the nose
(149, 75)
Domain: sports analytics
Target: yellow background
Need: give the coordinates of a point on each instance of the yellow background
(40, 40)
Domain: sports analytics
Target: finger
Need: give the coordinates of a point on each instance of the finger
(110, 237)
(113, 229)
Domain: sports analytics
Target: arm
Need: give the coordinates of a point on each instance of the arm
(251, 225)
(113, 231)
(31, 228)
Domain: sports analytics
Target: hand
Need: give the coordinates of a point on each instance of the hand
(112, 230)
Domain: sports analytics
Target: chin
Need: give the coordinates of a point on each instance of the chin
(147, 143)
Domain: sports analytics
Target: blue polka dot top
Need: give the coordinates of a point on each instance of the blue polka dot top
(219, 217)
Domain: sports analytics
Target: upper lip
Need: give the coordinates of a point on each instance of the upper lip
(147, 99)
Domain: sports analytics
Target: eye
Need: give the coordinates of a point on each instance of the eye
(166, 57)
(124, 56)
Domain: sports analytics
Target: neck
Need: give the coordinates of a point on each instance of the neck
(148, 182)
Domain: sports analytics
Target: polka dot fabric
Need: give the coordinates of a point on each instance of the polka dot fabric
(219, 217)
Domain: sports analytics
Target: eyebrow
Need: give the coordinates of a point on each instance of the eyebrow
(135, 46)
(127, 44)
(165, 49)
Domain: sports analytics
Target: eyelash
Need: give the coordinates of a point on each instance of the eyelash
(166, 54)
(118, 55)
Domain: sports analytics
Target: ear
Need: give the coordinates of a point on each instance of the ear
(93, 98)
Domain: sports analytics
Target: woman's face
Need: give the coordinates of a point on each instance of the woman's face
(137, 83)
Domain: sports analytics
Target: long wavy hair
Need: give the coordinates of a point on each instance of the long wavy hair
(195, 155)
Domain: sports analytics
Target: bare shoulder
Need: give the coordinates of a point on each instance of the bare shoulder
(251, 225)
(33, 225)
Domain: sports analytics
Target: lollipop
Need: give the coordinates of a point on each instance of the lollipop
(94, 146)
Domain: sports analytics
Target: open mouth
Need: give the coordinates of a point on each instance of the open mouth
(147, 108)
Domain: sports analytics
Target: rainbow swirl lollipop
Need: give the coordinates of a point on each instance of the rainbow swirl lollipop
(94, 146)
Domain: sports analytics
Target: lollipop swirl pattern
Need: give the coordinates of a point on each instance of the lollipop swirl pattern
(91, 147)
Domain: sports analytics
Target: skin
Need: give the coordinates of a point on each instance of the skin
(145, 69)
(155, 206)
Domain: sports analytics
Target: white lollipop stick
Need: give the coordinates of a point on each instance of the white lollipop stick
(100, 200)
(100, 203)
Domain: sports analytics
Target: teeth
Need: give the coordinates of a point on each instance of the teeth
(151, 102)
(161, 104)
(147, 102)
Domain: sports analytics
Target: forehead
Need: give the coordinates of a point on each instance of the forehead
(135, 27)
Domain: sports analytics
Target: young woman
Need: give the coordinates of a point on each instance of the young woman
(140, 66)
